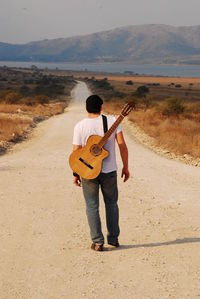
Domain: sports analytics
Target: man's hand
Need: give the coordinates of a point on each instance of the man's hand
(125, 174)
(77, 181)
(124, 155)
(76, 177)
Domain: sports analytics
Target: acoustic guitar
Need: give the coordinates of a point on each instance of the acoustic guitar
(87, 161)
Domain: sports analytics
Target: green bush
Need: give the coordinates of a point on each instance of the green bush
(129, 82)
(104, 84)
(173, 106)
(142, 91)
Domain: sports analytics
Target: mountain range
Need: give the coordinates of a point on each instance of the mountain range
(141, 44)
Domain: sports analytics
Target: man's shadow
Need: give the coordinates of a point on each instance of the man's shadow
(157, 244)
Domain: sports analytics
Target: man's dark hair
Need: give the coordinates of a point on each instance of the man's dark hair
(93, 104)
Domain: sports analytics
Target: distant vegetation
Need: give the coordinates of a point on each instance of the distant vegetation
(173, 106)
(104, 88)
(170, 113)
(142, 91)
(129, 82)
(27, 97)
(19, 84)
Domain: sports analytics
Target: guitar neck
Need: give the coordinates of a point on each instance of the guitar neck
(110, 131)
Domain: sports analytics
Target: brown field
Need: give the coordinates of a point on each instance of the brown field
(185, 81)
(153, 79)
(17, 120)
(12, 127)
(178, 133)
(45, 242)
(28, 97)
(38, 110)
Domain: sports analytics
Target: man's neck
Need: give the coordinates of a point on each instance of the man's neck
(93, 115)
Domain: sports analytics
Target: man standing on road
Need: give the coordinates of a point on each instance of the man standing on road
(107, 179)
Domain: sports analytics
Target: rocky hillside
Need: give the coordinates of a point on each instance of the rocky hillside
(136, 44)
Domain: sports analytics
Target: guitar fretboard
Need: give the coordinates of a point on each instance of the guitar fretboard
(110, 131)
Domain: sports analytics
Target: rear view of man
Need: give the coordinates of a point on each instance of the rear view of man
(107, 179)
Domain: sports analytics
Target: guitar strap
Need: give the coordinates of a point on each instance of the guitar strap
(105, 123)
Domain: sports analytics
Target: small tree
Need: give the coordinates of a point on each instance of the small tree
(173, 106)
(12, 98)
(147, 101)
(142, 91)
(130, 82)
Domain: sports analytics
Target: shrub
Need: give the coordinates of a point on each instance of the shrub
(147, 102)
(12, 98)
(3, 93)
(130, 82)
(142, 91)
(41, 99)
(33, 101)
(24, 90)
(173, 106)
(29, 101)
(104, 84)
(49, 89)
(28, 81)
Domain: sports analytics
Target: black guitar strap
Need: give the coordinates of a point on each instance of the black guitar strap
(105, 123)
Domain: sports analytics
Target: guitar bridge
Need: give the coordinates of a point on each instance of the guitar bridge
(87, 164)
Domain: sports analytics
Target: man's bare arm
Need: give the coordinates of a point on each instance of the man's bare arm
(124, 155)
(75, 147)
(76, 178)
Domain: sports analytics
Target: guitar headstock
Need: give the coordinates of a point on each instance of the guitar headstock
(128, 108)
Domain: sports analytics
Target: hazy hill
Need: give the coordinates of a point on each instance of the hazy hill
(136, 44)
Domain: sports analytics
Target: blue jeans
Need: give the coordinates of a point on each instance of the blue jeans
(108, 184)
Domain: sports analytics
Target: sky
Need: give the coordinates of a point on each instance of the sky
(23, 21)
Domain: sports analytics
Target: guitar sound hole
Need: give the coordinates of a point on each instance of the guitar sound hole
(95, 150)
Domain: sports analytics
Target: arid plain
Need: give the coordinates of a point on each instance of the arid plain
(45, 249)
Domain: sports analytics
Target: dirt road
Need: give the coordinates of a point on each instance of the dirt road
(45, 245)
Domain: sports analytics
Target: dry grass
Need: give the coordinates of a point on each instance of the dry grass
(112, 107)
(27, 97)
(176, 134)
(161, 88)
(12, 128)
(42, 110)
(152, 79)
(15, 119)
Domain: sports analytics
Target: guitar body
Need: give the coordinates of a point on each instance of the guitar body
(87, 161)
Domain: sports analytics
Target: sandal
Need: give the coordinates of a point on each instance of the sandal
(97, 247)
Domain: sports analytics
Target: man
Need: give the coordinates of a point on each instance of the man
(107, 179)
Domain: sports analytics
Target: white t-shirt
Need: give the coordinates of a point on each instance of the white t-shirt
(94, 126)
